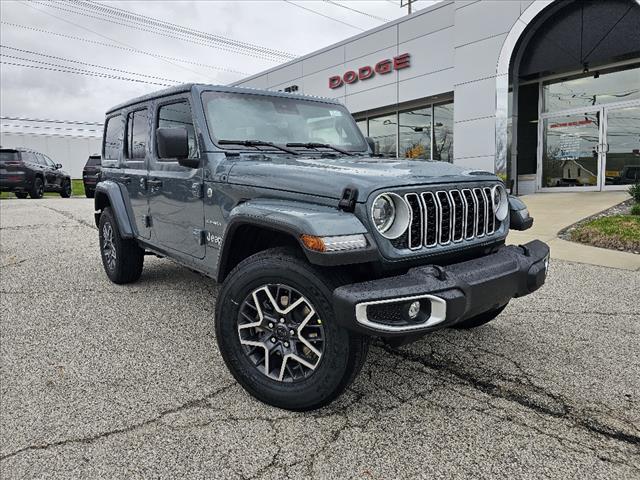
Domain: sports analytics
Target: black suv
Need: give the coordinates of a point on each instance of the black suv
(318, 244)
(91, 175)
(27, 172)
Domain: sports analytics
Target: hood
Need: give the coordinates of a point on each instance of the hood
(328, 177)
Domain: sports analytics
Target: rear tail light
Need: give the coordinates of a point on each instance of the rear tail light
(13, 163)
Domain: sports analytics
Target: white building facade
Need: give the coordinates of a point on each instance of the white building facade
(545, 93)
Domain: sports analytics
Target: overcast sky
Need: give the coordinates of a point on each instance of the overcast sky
(272, 24)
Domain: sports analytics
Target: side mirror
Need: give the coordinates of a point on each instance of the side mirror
(172, 142)
(58, 166)
(371, 143)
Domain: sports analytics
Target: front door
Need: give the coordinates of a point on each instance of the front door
(176, 206)
(594, 148)
(621, 146)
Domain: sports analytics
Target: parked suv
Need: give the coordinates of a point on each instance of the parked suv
(91, 175)
(27, 172)
(319, 245)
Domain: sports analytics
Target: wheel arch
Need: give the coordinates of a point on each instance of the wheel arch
(108, 194)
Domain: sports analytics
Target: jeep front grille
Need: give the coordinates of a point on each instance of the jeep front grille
(445, 216)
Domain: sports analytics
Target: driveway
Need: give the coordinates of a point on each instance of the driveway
(106, 381)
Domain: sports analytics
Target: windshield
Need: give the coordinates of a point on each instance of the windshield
(280, 120)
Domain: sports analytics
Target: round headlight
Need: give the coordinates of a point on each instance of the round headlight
(383, 213)
(500, 202)
(390, 215)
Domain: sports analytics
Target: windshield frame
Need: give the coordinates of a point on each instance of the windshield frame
(364, 148)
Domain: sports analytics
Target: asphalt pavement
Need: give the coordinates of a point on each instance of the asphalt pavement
(105, 381)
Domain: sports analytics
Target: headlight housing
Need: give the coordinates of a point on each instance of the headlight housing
(390, 215)
(500, 202)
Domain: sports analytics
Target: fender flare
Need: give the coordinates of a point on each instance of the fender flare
(295, 219)
(115, 199)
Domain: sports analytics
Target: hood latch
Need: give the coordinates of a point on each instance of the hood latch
(349, 199)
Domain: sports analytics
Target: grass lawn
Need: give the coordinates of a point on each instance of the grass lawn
(77, 188)
(617, 232)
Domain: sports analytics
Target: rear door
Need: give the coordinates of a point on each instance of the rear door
(54, 175)
(175, 192)
(135, 167)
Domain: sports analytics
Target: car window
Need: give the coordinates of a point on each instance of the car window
(176, 115)
(93, 161)
(30, 157)
(137, 135)
(49, 162)
(113, 139)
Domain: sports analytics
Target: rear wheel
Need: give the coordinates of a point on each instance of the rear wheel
(277, 333)
(21, 194)
(66, 189)
(37, 190)
(122, 258)
(479, 320)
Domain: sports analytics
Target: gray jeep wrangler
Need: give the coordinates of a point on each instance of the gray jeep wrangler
(319, 245)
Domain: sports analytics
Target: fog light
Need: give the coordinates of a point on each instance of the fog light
(414, 310)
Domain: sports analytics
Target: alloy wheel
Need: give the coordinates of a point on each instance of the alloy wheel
(281, 333)
(108, 247)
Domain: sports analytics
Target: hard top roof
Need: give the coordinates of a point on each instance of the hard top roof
(202, 87)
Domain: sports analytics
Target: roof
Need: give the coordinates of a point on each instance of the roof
(200, 87)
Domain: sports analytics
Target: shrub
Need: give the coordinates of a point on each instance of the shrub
(635, 209)
(634, 191)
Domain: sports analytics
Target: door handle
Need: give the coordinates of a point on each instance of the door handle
(154, 183)
(125, 179)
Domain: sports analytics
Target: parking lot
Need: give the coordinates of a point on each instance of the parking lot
(106, 381)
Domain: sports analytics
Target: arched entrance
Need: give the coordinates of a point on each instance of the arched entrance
(568, 97)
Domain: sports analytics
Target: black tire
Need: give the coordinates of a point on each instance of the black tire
(66, 189)
(126, 265)
(37, 189)
(22, 195)
(479, 320)
(89, 193)
(343, 352)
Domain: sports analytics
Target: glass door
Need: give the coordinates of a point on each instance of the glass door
(621, 146)
(571, 150)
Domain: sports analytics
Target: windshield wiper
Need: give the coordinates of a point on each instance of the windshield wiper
(319, 145)
(256, 143)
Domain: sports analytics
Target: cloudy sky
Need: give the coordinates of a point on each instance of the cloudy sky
(232, 39)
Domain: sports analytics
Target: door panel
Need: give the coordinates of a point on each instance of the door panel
(622, 146)
(175, 192)
(571, 150)
(134, 172)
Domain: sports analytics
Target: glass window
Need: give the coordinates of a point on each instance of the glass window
(384, 132)
(589, 91)
(280, 120)
(415, 133)
(48, 161)
(177, 115)
(113, 138)
(137, 134)
(443, 132)
(39, 158)
(93, 161)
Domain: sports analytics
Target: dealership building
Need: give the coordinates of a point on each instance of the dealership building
(545, 93)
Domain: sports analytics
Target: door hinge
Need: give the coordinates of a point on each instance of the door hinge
(201, 236)
(196, 190)
(146, 221)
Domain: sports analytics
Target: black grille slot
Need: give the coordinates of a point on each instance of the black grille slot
(491, 214)
(415, 227)
(445, 217)
(471, 213)
(431, 217)
(458, 215)
(402, 241)
(482, 212)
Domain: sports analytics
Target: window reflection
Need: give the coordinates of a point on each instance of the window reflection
(383, 131)
(623, 142)
(595, 89)
(415, 133)
(443, 132)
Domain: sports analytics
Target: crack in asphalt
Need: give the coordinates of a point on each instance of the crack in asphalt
(556, 407)
(99, 436)
(70, 216)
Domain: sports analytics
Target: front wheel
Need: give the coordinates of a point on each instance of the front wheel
(277, 332)
(66, 189)
(122, 258)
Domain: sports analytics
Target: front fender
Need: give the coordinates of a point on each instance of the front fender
(299, 218)
(109, 193)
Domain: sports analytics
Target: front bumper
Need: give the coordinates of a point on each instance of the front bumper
(446, 295)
